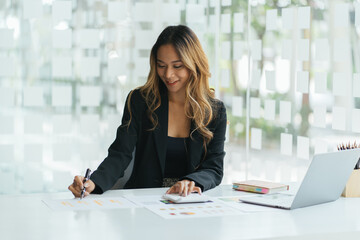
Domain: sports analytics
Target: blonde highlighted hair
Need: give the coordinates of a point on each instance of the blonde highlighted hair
(199, 96)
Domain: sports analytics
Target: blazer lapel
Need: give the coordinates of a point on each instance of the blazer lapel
(160, 132)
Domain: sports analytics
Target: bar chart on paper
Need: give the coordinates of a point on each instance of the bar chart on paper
(88, 203)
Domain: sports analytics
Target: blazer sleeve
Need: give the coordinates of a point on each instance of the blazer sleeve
(120, 151)
(210, 172)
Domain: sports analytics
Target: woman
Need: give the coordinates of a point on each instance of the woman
(173, 123)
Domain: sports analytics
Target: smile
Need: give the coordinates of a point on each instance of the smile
(171, 83)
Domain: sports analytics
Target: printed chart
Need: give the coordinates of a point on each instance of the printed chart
(88, 203)
(195, 210)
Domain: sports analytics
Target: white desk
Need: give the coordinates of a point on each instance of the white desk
(27, 217)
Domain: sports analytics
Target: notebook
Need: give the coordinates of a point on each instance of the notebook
(324, 182)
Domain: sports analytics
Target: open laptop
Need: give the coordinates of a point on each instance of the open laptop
(324, 182)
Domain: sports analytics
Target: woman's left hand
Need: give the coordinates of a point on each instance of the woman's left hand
(184, 188)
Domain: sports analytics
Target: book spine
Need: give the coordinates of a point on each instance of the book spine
(250, 189)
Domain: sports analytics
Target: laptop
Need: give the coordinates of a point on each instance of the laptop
(324, 182)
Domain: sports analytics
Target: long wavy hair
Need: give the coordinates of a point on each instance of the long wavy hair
(199, 96)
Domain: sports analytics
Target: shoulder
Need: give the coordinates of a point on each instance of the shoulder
(218, 107)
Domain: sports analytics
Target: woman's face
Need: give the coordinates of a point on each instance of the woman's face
(171, 69)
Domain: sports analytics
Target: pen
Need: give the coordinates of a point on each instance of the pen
(87, 176)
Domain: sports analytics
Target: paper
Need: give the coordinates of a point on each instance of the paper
(303, 146)
(33, 153)
(303, 50)
(320, 82)
(195, 13)
(144, 12)
(7, 153)
(193, 210)
(117, 11)
(7, 68)
(225, 50)
(270, 80)
(339, 118)
(62, 124)
(287, 17)
(61, 96)
(271, 18)
(62, 39)
(89, 124)
(286, 144)
(225, 26)
(256, 49)
(302, 82)
(61, 67)
(233, 201)
(61, 10)
(90, 96)
(285, 111)
(237, 106)
(341, 15)
(170, 13)
(62, 152)
(147, 200)
(341, 82)
(356, 85)
(256, 138)
(356, 120)
(89, 38)
(238, 22)
(255, 79)
(88, 203)
(269, 109)
(7, 97)
(238, 49)
(320, 116)
(286, 52)
(33, 124)
(32, 9)
(322, 50)
(303, 17)
(320, 146)
(7, 38)
(7, 125)
(255, 107)
(90, 67)
(33, 97)
(341, 50)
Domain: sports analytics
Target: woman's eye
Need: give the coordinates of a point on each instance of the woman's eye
(161, 66)
(178, 66)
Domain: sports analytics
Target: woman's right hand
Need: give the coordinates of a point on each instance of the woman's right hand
(77, 186)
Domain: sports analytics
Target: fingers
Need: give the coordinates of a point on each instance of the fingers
(77, 186)
(184, 188)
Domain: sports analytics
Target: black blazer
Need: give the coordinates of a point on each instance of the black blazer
(150, 149)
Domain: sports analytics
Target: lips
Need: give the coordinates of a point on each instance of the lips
(171, 83)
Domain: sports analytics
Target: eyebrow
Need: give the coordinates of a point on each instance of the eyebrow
(171, 62)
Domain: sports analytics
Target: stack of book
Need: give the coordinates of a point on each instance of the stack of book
(258, 186)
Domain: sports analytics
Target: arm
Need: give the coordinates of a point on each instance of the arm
(120, 151)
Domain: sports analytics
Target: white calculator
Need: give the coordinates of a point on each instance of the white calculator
(191, 198)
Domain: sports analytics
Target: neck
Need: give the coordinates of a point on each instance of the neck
(176, 98)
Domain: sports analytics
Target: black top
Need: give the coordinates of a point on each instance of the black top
(176, 159)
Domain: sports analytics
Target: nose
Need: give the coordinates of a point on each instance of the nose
(168, 73)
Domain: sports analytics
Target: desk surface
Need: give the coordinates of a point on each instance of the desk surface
(27, 217)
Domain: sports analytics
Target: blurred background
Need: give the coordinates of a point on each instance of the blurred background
(287, 71)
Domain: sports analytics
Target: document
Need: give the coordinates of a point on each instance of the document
(88, 203)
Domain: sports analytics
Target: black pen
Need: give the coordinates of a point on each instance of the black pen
(87, 176)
